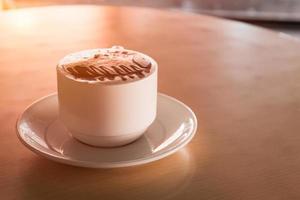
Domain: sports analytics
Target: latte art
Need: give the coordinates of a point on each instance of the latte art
(106, 65)
(94, 72)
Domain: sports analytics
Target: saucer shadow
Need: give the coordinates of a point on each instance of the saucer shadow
(162, 179)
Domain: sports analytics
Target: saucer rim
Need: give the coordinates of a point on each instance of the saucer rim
(55, 156)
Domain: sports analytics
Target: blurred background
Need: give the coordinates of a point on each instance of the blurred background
(279, 15)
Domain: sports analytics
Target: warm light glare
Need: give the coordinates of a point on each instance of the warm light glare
(21, 20)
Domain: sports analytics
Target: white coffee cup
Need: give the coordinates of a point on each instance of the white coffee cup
(102, 111)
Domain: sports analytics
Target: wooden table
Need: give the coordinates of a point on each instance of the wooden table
(242, 82)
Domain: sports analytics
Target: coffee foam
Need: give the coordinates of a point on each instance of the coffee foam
(107, 65)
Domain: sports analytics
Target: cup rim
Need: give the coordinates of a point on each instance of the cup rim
(85, 81)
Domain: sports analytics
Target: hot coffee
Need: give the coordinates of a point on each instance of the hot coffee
(111, 65)
(107, 97)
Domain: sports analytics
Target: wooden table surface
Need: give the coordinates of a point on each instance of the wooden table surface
(242, 82)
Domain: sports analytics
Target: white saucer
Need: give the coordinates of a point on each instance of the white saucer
(39, 129)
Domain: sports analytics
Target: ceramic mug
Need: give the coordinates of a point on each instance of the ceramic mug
(107, 97)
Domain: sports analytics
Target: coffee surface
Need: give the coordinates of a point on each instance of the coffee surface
(106, 65)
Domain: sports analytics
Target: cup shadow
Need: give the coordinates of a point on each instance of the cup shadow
(163, 179)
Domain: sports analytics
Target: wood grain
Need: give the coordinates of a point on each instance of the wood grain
(242, 82)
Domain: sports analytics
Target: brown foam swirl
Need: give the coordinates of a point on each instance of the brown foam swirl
(107, 65)
(101, 73)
